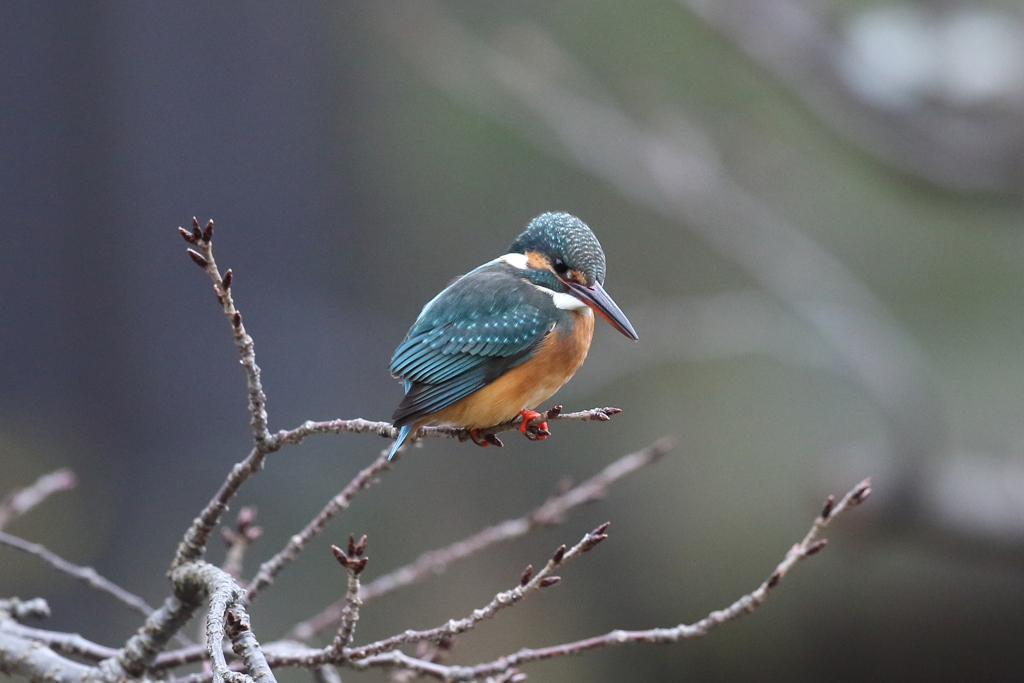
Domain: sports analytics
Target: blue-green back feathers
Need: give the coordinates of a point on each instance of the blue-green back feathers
(481, 326)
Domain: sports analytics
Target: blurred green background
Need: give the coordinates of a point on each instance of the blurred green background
(811, 215)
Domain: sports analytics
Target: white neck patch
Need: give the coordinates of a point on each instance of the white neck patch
(515, 260)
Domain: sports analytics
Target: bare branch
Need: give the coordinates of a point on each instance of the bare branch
(386, 430)
(17, 503)
(238, 540)
(26, 658)
(354, 561)
(245, 645)
(500, 601)
(66, 643)
(746, 604)
(226, 618)
(550, 513)
(270, 568)
(193, 546)
(86, 575)
(165, 622)
(202, 238)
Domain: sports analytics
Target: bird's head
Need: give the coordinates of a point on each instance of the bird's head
(563, 255)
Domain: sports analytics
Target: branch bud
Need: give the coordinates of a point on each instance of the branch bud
(356, 549)
(349, 563)
(527, 575)
(862, 491)
(186, 235)
(559, 554)
(827, 510)
(815, 547)
(198, 258)
(595, 537)
(549, 581)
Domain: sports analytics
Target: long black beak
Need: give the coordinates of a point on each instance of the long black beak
(598, 299)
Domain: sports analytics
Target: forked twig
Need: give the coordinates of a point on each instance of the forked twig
(746, 604)
(550, 513)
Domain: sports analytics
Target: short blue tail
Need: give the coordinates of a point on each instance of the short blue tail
(403, 433)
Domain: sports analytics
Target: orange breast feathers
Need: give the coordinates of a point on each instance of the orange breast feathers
(525, 386)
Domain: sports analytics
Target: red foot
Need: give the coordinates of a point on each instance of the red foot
(486, 440)
(537, 432)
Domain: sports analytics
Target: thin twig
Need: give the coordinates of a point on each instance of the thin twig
(550, 513)
(354, 561)
(193, 545)
(388, 431)
(203, 240)
(17, 503)
(269, 569)
(529, 583)
(66, 643)
(746, 604)
(239, 539)
(87, 575)
(505, 599)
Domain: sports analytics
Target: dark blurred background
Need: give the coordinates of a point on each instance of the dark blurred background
(812, 217)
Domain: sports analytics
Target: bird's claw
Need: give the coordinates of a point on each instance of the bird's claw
(533, 432)
(485, 440)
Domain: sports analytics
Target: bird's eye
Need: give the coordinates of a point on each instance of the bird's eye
(559, 266)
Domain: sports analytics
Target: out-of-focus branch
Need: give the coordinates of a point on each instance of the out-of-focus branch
(238, 540)
(963, 148)
(746, 604)
(86, 575)
(550, 513)
(17, 503)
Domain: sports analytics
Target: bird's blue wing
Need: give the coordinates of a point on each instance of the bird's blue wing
(477, 329)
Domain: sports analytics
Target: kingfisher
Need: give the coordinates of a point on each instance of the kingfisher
(504, 337)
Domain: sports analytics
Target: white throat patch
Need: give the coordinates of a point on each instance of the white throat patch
(566, 302)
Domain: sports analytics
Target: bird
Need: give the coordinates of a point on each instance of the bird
(504, 337)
